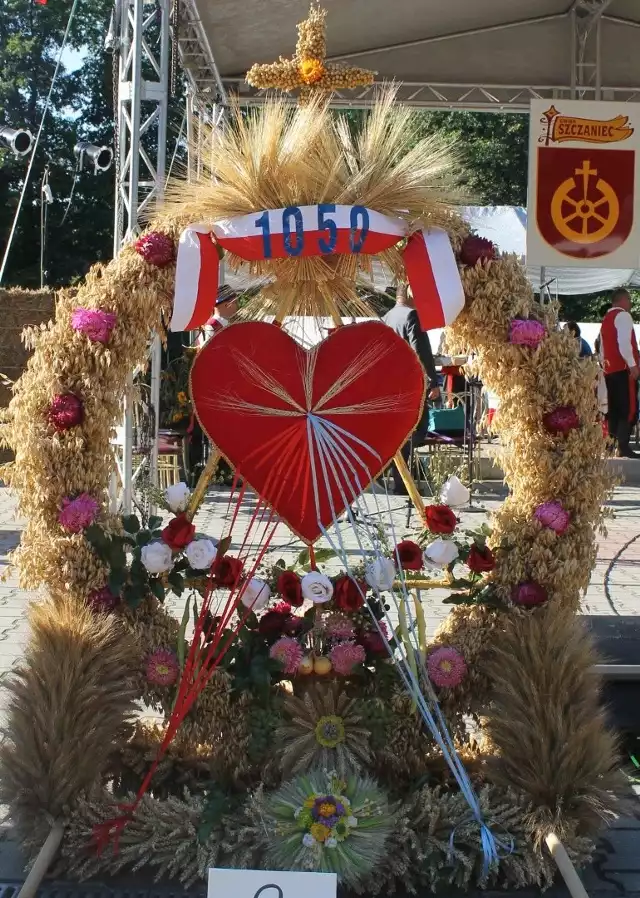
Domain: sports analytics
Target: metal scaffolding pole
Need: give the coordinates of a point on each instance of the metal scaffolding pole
(142, 48)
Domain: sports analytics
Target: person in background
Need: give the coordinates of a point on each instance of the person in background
(585, 349)
(403, 319)
(620, 360)
(226, 306)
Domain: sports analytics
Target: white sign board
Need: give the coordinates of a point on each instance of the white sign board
(584, 184)
(270, 884)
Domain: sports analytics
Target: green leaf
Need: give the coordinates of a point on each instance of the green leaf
(116, 581)
(116, 555)
(138, 573)
(132, 596)
(303, 558)
(324, 555)
(223, 546)
(157, 589)
(130, 523)
(176, 582)
(143, 538)
(98, 539)
(154, 522)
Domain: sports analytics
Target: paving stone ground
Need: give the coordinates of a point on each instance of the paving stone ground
(614, 590)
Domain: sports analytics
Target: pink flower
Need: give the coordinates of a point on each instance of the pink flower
(561, 419)
(345, 656)
(102, 600)
(288, 652)
(94, 324)
(337, 626)
(162, 668)
(446, 667)
(79, 513)
(156, 248)
(553, 516)
(526, 332)
(528, 595)
(66, 411)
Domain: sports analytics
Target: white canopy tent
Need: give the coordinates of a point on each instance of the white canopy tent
(494, 54)
(507, 227)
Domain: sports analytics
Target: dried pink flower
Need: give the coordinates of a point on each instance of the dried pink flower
(553, 516)
(102, 600)
(526, 332)
(79, 513)
(561, 420)
(66, 411)
(288, 652)
(94, 324)
(345, 656)
(337, 626)
(156, 248)
(528, 595)
(162, 667)
(446, 667)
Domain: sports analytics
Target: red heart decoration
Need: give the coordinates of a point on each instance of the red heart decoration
(308, 429)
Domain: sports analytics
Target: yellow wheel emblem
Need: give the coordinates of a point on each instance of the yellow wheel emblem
(575, 224)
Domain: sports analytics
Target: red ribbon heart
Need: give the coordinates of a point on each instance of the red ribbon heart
(308, 429)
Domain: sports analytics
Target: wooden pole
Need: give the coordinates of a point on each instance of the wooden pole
(42, 862)
(203, 483)
(410, 484)
(569, 873)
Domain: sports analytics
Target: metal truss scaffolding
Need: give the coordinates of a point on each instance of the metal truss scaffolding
(142, 57)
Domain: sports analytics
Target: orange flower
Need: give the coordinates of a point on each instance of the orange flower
(311, 70)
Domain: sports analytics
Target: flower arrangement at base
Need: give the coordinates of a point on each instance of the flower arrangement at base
(322, 729)
(327, 824)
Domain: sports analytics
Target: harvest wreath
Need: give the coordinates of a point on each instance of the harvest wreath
(266, 756)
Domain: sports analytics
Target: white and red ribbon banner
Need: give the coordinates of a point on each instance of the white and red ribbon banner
(324, 229)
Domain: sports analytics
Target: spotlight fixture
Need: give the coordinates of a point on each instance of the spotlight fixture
(18, 140)
(100, 157)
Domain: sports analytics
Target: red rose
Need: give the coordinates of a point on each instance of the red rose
(179, 533)
(529, 595)
(290, 588)
(292, 625)
(440, 519)
(410, 555)
(227, 570)
(272, 624)
(477, 249)
(348, 594)
(561, 420)
(373, 643)
(480, 561)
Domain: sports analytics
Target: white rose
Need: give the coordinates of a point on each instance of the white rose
(331, 842)
(380, 574)
(177, 497)
(317, 587)
(308, 841)
(201, 554)
(455, 493)
(157, 558)
(440, 553)
(352, 822)
(255, 594)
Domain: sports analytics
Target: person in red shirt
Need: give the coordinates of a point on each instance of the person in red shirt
(620, 361)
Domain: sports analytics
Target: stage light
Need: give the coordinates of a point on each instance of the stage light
(18, 140)
(101, 157)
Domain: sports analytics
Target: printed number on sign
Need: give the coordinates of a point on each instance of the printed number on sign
(325, 236)
(270, 886)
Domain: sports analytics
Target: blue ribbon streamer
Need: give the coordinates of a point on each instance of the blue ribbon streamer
(336, 454)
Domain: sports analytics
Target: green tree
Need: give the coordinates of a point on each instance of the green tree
(82, 108)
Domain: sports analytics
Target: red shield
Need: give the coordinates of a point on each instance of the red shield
(584, 202)
(308, 430)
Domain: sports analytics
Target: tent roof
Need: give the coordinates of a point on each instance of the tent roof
(447, 52)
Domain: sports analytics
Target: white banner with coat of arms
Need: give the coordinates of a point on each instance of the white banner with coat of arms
(583, 184)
